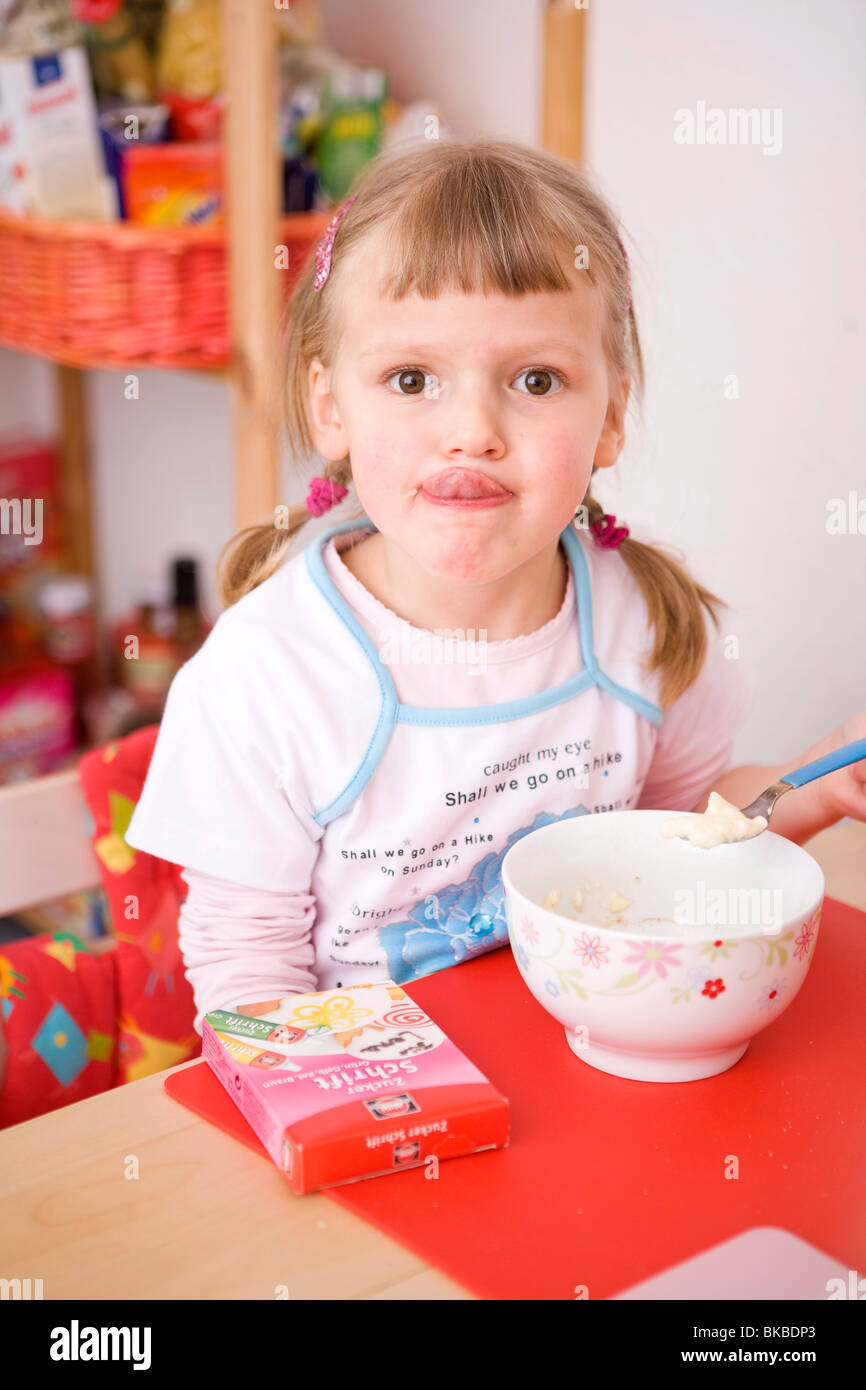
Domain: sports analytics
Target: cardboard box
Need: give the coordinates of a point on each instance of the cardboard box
(37, 723)
(173, 184)
(352, 1083)
(51, 162)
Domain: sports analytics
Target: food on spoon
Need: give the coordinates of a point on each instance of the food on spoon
(720, 824)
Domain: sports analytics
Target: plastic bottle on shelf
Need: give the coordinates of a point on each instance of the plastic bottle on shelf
(156, 609)
(69, 637)
(190, 628)
(147, 660)
(66, 601)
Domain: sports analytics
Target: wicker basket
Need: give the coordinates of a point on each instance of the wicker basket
(112, 294)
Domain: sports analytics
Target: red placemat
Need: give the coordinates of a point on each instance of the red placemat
(608, 1181)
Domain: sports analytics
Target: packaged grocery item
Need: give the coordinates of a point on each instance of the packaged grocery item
(30, 516)
(149, 15)
(37, 721)
(37, 26)
(69, 638)
(147, 658)
(48, 640)
(354, 124)
(124, 126)
(125, 122)
(31, 537)
(300, 185)
(175, 184)
(352, 1083)
(166, 628)
(119, 59)
(299, 126)
(190, 627)
(190, 77)
(51, 162)
(191, 47)
(13, 186)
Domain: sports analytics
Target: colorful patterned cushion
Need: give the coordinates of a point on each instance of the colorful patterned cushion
(155, 1001)
(59, 1011)
(75, 1023)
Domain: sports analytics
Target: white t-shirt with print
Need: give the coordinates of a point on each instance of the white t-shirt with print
(317, 744)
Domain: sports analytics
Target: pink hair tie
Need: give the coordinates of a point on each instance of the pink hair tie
(323, 495)
(326, 245)
(607, 534)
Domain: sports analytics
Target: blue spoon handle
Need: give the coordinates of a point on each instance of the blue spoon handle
(840, 757)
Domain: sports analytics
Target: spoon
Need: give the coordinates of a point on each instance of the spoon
(819, 767)
(722, 823)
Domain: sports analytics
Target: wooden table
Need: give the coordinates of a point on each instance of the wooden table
(205, 1217)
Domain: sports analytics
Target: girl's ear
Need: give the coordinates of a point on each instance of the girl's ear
(329, 433)
(612, 436)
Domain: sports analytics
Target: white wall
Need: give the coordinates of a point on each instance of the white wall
(743, 264)
(479, 59)
(753, 265)
(160, 468)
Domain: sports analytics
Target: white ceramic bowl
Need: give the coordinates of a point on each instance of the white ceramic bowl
(714, 945)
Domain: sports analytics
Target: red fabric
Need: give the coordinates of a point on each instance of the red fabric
(59, 1006)
(607, 1181)
(75, 1023)
(155, 1000)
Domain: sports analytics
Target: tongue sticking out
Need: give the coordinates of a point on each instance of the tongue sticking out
(464, 486)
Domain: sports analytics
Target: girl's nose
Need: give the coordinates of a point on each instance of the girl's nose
(473, 426)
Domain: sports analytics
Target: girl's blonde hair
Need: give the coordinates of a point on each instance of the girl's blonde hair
(467, 216)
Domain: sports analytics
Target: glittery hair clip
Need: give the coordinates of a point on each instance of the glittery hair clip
(607, 534)
(324, 494)
(326, 245)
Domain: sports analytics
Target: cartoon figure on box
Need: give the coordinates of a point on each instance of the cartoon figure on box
(284, 1034)
(268, 1060)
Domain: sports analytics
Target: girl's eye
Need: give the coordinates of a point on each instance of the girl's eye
(541, 381)
(410, 381)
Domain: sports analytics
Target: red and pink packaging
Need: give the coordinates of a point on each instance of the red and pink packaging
(352, 1083)
(37, 723)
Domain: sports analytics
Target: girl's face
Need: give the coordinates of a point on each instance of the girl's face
(512, 388)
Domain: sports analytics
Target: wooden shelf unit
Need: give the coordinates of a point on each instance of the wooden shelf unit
(252, 232)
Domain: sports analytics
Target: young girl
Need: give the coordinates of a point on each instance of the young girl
(375, 719)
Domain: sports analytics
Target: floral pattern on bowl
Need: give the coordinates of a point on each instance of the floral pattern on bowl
(671, 1006)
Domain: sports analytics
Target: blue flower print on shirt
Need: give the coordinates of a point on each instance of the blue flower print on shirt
(459, 923)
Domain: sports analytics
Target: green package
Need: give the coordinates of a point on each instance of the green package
(353, 127)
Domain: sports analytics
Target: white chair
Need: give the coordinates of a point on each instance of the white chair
(45, 843)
